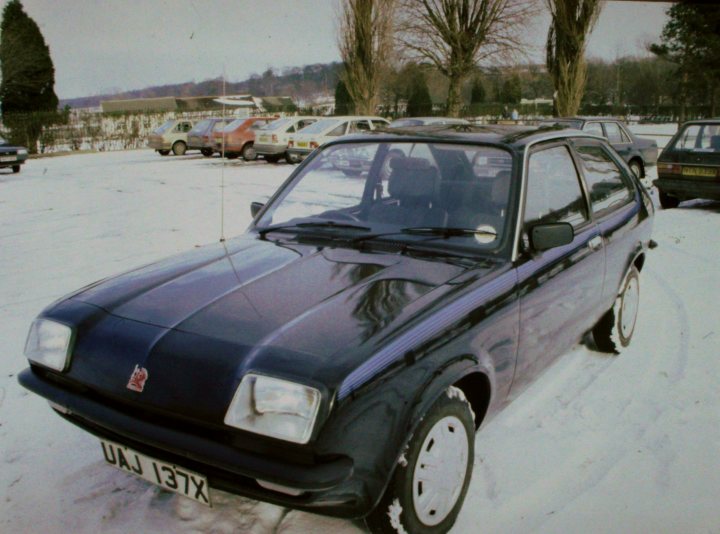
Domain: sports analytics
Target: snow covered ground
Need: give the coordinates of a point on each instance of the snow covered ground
(598, 444)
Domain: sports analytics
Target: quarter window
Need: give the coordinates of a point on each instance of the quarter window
(604, 178)
(553, 189)
(339, 130)
(594, 128)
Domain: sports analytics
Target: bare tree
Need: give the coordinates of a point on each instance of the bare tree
(365, 40)
(572, 21)
(456, 35)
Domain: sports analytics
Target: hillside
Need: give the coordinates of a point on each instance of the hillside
(298, 82)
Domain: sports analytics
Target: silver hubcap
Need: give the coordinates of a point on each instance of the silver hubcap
(439, 473)
(628, 312)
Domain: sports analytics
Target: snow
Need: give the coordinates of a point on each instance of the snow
(599, 443)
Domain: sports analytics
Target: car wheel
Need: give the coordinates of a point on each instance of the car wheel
(248, 152)
(667, 202)
(179, 148)
(429, 484)
(292, 160)
(636, 168)
(616, 327)
(231, 155)
(16, 168)
(272, 158)
(207, 152)
(163, 152)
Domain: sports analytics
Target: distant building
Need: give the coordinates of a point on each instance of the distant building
(263, 104)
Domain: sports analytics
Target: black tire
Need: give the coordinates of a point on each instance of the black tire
(272, 158)
(292, 160)
(207, 152)
(351, 172)
(248, 152)
(16, 169)
(232, 155)
(179, 148)
(637, 168)
(397, 507)
(163, 152)
(667, 202)
(615, 329)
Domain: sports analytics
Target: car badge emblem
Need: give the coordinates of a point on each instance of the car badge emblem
(138, 378)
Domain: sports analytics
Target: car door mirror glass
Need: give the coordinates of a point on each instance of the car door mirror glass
(255, 208)
(551, 235)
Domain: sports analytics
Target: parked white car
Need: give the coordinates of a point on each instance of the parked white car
(172, 135)
(271, 141)
(311, 137)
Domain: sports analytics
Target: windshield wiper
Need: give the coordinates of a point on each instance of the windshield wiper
(432, 231)
(313, 224)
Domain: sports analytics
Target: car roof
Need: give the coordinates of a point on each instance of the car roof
(715, 120)
(516, 136)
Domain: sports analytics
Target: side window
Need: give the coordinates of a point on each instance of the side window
(359, 126)
(178, 127)
(339, 130)
(553, 189)
(594, 128)
(291, 129)
(605, 181)
(614, 135)
(378, 124)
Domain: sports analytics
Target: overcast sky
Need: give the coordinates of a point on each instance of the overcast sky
(109, 46)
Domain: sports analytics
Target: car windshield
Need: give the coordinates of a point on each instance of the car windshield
(165, 127)
(320, 126)
(434, 194)
(274, 125)
(201, 126)
(234, 124)
(699, 138)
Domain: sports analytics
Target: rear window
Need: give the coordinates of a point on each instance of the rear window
(699, 138)
(274, 125)
(320, 126)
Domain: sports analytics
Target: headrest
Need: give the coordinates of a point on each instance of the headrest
(409, 163)
(413, 184)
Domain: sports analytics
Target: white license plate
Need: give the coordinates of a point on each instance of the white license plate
(303, 144)
(167, 476)
(8, 158)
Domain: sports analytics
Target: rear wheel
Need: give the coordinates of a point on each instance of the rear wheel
(207, 152)
(616, 327)
(16, 168)
(179, 148)
(163, 152)
(272, 158)
(428, 488)
(668, 202)
(248, 152)
(636, 168)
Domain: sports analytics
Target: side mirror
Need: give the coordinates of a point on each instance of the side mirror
(255, 208)
(551, 235)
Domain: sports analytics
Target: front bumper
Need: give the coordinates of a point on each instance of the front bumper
(270, 150)
(11, 160)
(688, 188)
(327, 484)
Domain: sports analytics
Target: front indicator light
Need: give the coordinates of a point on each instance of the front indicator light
(48, 344)
(274, 407)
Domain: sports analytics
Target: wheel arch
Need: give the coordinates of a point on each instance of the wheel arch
(637, 159)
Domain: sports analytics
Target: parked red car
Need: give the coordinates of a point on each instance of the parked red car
(238, 137)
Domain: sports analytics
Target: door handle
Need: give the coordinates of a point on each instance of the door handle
(595, 243)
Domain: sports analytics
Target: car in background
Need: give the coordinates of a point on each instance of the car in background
(238, 137)
(409, 122)
(689, 165)
(172, 135)
(638, 152)
(311, 137)
(12, 156)
(271, 141)
(340, 355)
(200, 137)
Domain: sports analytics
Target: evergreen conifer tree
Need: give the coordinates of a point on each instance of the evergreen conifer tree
(27, 90)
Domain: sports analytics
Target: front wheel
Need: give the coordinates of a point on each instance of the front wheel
(272, 158)
(429, 485)
(16, 169)
(292, 160)
(207, 152)
(248, 152)
(163, 152)
(616, 327)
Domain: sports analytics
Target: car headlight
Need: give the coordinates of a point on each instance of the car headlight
(274, 407)
(48, 344)
(22, 152)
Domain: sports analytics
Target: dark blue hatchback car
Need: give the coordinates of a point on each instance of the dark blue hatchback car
(340, 355)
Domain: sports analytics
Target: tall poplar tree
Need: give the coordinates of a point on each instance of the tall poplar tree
(27, 90)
